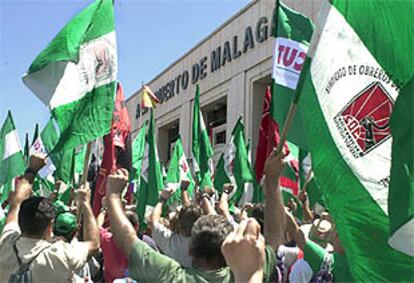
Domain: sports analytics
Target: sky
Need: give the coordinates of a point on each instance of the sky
(151, 34)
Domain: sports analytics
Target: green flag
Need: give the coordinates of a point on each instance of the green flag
(62, 160)
(179, 170)
(35, 134)
(347, 99)
(12, 161)
(307, 178)
(234, 167)
(401, 194)
(151, 176)
(258, 196)
(201, 146)
(11, 156)
(26, 147)
(80, 159)
(138, 148)
(76, 75)
(292, 33)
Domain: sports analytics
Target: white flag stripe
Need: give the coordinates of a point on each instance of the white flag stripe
(12, 145)
(338, 35)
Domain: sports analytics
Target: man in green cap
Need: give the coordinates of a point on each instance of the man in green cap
(65, 226)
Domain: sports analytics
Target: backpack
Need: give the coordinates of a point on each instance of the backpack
(23, 274)
(325, 273)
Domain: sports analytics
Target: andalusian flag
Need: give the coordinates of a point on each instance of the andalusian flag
(151, 176)
(258, 195)
(293, 33)
(234, 167)
(62, 160)
(289, 180)
(138, 148)
(76, 75)
(201, 147)
(148, 98)
(401, 195)
(12, 161)
(179, 170)
(307, 179)
(360, 62)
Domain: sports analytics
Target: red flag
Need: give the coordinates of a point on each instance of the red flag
(117, 148)
(268, 139)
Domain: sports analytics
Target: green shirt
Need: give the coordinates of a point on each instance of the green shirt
(147, 265)
(314, 255)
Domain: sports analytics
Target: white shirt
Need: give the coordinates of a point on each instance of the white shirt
(172, 244)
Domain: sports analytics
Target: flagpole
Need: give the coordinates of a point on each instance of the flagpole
(307, 180)
(84, 177)
(293, 106)
(140, 108)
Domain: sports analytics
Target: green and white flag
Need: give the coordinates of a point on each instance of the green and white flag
(258, 196)
(138, 148)
(39, 147)
(292, 33)
(76, 75)
(401, 194)
(62, 160)
(202, 151)
(179, 170)
(360, 62)
(151, 176)
(234, 167)
(312, 187)
(2, 219)
(12, 161)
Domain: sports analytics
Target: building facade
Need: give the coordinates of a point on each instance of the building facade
(233, 67)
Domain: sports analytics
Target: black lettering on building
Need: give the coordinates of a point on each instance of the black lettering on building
(195, 73)
(203, 67)
(177, 84)
(236, 51)
(248, 39)
(215, 59)
(261, 29)
(184, 80)
(226, 53)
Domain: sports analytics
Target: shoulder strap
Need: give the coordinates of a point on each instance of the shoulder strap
(32, 259)
(16, 252)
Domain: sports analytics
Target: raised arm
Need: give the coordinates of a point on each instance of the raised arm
(223, 207)
(307, 213)
(244, 252)
(274, 209)
(23, 189)
(90, 228)
(124, 233)
(184, 193)
(157, 211)
(293, 228)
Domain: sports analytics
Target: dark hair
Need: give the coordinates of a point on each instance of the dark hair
(35, 215)
(68, 236)
(187, 216)
(258, 214)
(207, 236)
(133, 218)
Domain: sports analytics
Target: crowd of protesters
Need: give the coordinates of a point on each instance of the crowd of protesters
(199, 241)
